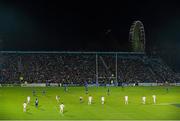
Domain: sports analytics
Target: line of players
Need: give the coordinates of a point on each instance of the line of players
(125, 99)
(61, 106)
(103, 100)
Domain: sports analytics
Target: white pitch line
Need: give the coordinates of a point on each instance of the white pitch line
(166, 103)
(122, 113)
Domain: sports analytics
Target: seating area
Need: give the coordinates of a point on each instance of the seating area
(77, 68)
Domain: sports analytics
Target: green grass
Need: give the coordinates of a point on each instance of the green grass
(167, 107)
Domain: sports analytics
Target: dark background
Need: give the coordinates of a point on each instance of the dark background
(89, 26)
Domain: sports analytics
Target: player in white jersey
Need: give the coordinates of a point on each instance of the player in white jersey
(28, 99)
(89, 100)
(57, 98)
(102, 100)
(144, 100)
(126, 99)
(24, 106)
(61, 108)
(154, 98)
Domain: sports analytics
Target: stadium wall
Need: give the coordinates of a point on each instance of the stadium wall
(89, 85)
(158, 84)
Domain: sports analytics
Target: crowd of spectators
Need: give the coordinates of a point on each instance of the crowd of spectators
(42, 68)
(134, 70)
(163, 71)
(80, 68)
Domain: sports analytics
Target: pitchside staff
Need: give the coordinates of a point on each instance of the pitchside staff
(108, 91)
(86, 87)
(43, 92)
(65, 87)
(34, 93)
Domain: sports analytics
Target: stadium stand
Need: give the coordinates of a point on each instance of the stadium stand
(76, 68)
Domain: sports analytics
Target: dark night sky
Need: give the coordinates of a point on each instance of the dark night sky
(52, 25)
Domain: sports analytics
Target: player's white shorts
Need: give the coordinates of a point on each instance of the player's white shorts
(24, 109)
(89, 102)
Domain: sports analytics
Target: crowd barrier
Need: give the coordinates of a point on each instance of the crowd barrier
(34, 85)
(89, 85)
(54, 85)
(10, 85)
(177, 84)
(148, 84)
(158, 84)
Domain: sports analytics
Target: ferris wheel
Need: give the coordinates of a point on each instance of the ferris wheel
(137, 36)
